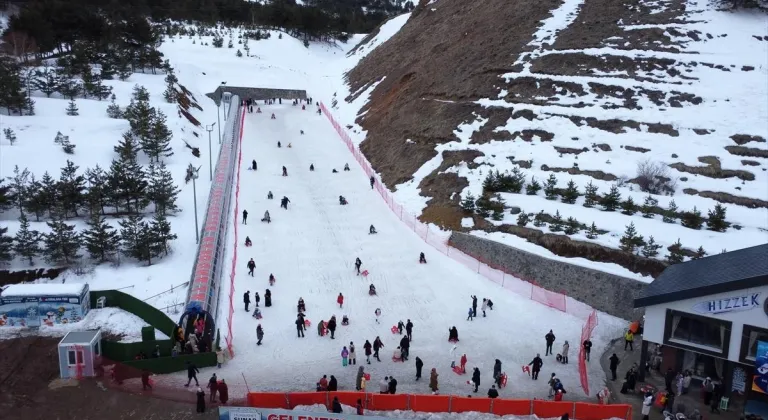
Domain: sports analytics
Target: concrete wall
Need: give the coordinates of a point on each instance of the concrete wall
(605, 292)
(257, 93)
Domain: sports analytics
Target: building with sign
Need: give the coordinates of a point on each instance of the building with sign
(33, 305)
(707, 317)
(80, 354)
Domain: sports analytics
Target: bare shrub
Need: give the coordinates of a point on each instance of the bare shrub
(654, 178)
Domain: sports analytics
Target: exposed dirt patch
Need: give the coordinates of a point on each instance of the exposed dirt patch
(525, 164)
(576, 171)
(637, 149)
(540, 91)
(453, 158)
(713, 169)
(604, 147)
(746, 162)
(530, 135)
(726, 198)
(570, 150)
(497, 117)
(20, 276)
(618, 126)
(742, 139)
(747, 151)
(443, 208)
(579, 64)
(482, 38)
(566, 247)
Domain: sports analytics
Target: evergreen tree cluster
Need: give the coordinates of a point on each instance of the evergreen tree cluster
(14, 92)
(149, 126)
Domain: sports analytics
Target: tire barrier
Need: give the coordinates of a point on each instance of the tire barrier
(438, 239)
(205, 282)
(442, 404)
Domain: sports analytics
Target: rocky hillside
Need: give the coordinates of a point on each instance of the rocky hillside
(662, 99)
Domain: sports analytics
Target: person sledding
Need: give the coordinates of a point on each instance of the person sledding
(248, 241)
(284, 202)
(266, 217)
(344, 320)
(342, 200)
(372, 230)
(257, 313)
(346, 167)
(319, 111)
(302, 132)
(273, 116)
(321, 328)
(270, 196)
(453, 335)
(253, 165)
(372, 290)
(271, 279)
(422, 258)
(279, 145)
(311, 167)
(285, 171)
(290, 145)
(303, 107)
(397, 355)
(301, 307)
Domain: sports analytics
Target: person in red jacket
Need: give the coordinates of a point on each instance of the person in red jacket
(323, 383)
(463, 362)
(340, 300)
(223, 392)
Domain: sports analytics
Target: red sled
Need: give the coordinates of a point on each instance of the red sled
(395, 330)
(307, 323)
(527, 369)
(453, 341)
(503, 380)
(364, 273)
(457, 370)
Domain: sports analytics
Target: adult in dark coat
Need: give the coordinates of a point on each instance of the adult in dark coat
(615, 364)
(476, 378)
(493, 393)
(536, 365)
(223, 392)
(332, 326)
(474, 307)
(336, 406)
(367, 347)
(497, 372)
(192, 372)
(419, 365)
(299, 327)
(409, 330)
(404, 346)
(267, 298)
(200, 400)
(392, 385)
(333, 385)
(549, 338)
(377, 345)
(247, 299)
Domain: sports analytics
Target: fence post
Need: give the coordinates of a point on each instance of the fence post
(491, 409)
(408, 402)
(530, 407)
(573, 410)
(288, 400)
(450, 404)
(328, 396)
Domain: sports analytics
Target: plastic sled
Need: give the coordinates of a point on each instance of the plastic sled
(457, 370)
(271, 282)
(307, 323)
(371, 293)
(395, 359)
(364, 273)
(503, 380)
(250, 244)
(453, 340)
(367, 376)
(527, 369)
(395, 330)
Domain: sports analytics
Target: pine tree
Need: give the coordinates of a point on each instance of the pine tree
(27, 242)
(10, 136)
(6, 196)
(516, 181)
(59, 139)
(557, 223)
(140, 117)
(162, 191)
(675, 255)
(670, 214)
(67, 146)
(550, 187)
(238, 53)
(533, 188)
(247, 48)
(161, 230)
(651, 248)
(692, 219)
(610, 201)
(716, 219)
(97, 196)
(592, 231)
(100, 239)
(483, 206)
(700, 253)
(46, 81)
(137, 239)
(69, 89)
(71, 188)
(538, 220)
(572, 226)
(468, 204)
(20, 184)
(62, 243)
(127, 180)
(523, 219)
(628, 206)
(649, 205)
(140, 94)
(590, 195)
(89, 82)
(571, 193)
(170, 94)
(49, 193)
(230, 44)
(491, 183)
(113, 110)
(32, 203)
(497, 213)
(631, 240)
(158, 144)
(218, 42)
(72, 109)
(6, 246)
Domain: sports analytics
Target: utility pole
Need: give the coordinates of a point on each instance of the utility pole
(194, 174)
(209, 128)
(218, 118)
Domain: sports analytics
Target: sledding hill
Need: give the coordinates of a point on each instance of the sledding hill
(588, 91)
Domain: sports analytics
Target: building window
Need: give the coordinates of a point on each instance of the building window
(708, 335)
(749, 338)
(75, 357)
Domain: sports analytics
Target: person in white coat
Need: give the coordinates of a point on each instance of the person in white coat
(564, 353)
(384, 385)
(484, 306)
(647, 402)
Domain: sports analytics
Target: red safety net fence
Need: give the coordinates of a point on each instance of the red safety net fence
(438, 239)
(228, 337)
(442, 404)
(586, 333)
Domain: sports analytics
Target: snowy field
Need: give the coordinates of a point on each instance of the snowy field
(311, 248)
(733, 102)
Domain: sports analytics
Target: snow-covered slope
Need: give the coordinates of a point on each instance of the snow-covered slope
(695, 99)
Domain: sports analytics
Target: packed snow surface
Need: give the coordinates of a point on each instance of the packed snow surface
(45, 289)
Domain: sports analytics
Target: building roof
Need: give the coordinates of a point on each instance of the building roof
(44, 289)
(730, 271)
(79, 337)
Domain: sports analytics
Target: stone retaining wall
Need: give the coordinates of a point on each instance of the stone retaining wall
(257, 93)
(603, 291)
